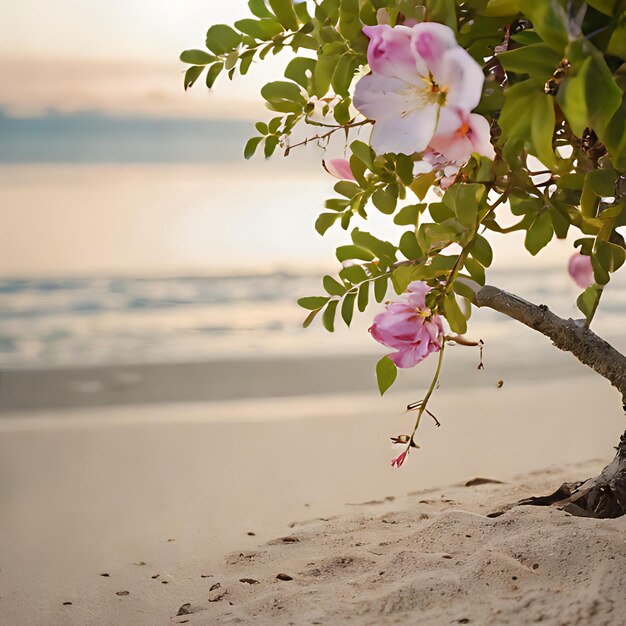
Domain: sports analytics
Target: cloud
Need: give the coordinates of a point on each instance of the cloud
(35, 86)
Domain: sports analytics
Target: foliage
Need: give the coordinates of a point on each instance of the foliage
(554, 99)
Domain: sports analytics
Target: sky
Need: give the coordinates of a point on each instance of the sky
(120, 58)
(117, 57)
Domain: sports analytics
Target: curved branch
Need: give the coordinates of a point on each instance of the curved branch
(568, 335)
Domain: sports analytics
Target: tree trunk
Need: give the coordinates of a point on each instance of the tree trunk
(604, 495)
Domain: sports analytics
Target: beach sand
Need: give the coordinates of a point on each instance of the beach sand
(160, 500)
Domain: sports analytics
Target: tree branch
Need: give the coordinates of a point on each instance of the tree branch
(568, 335)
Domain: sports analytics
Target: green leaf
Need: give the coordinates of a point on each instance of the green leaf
(542, 129)
(464, 290)
(221, 38)
(328, 317)
(436, 235)
(422, 184)
(325, 221)
(297, 70)
(341, 113)
(409, 215)
(502, 8)
(539, 234)
(192, 75)
(313, 302)
(344, 73)
(303, 14)
(363, 152)
(409, 246)
(347, 307)
(281, 90)
(481, 251)
(310, 317)
(386, 374)
(537, 60)
(403, 276)
(528, 114)
(404, 168)
(349, 253)
(440, 212)
(614, 138)
(347, 188)
(550, 21)
(600, 274)
(349, 22)
(324, 69)
(354, 274)
(251, 147)
(363, 297)
(475, 270)
(285, 13)
(604, 6)
(197, 57)
(213, 72)
(591, 97)
(465, 200)
(259, 8)
(602, 182)
(384, 250)
(442, 11)
(454, 315)
(385, 200)
(380, 288)
(271, 143)
(617, 43)
(588, 301)
(333, 287)
(263, 29)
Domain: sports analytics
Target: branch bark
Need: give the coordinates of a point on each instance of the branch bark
(568, 335)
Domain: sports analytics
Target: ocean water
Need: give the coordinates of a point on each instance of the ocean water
(99, 321)
(126, 241)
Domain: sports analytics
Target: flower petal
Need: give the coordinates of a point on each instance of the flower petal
(461, 77)
(339, 168)
(417, 291)
(480, 135)
(471, 135)
(389, 52)
(429, 41)
(404, 122)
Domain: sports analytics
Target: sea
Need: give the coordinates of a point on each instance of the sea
(129, 240)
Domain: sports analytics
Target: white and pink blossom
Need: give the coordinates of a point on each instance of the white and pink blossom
(418, 73)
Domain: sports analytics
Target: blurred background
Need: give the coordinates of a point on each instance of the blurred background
(132, 230)
(155, 380)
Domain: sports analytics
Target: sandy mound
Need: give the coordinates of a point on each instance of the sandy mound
(440, 562)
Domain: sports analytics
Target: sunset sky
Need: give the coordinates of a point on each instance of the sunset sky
(116, 57)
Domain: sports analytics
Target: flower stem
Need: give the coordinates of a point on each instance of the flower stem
(431, 389)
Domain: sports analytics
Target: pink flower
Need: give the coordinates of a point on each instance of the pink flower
(408, 327)
(417, 73)
(339, 168)
(398, 461)
(581, 270)
(460, 134)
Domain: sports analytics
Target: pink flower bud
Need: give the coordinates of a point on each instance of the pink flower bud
(581, 270)
(339, 168)
(398, 461)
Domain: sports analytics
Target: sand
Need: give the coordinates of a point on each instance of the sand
(440, 561)
(159, 495)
